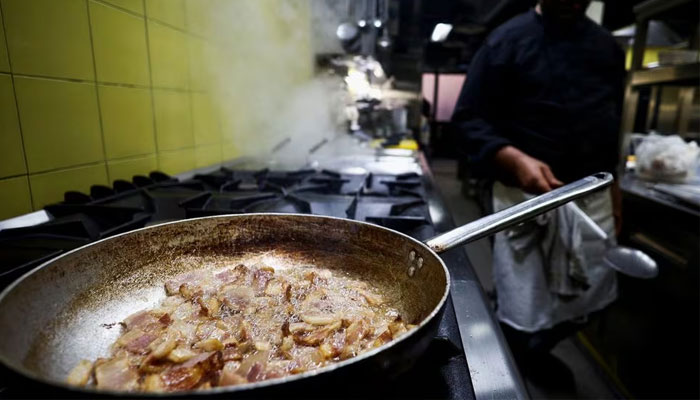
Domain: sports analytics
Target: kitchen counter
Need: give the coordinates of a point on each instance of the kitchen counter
(630, 184)
(668, 229)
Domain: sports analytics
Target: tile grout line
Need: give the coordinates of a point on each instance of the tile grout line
(19, 120)
(97, 93)
(156, 20)
(189, 86)
(14, 177)
(118, 8)
(132, 157)
(100, 83)
(61, 169)
(64, 169)
(95, 163)
(150, 81)
(186, 30)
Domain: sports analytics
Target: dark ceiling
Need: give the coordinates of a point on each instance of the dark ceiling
(474, 19)
(412, 52)
(618, 13)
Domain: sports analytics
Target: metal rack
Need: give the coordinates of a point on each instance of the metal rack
(665, 99)
(686, 76)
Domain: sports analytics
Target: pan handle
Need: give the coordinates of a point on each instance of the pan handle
(518, 213)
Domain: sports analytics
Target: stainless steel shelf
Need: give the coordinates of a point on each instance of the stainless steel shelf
(676, 74)
(652, 8)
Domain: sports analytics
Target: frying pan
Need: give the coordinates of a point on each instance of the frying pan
(66, 309)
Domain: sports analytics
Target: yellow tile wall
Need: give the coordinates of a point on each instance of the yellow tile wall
(129, 5)
(119, 45)
(92, 91)
(4, 58)
(127, 168)
(11, 150)
(49, 38)
(15, 197)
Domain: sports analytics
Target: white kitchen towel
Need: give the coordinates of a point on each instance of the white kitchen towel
(550, 270)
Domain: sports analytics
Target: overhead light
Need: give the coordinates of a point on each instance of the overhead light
(385, 40)
(362, 23)
(440, 32)
(377, 23)
(346, 32)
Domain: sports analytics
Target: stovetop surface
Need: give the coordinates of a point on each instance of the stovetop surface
(394, 201)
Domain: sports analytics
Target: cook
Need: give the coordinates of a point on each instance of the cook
(541, 107)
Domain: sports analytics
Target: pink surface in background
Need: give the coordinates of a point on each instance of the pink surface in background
(448, 92)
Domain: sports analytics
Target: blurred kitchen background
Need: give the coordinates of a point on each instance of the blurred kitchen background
(98, 91)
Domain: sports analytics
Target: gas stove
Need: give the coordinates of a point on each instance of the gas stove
(396, 201)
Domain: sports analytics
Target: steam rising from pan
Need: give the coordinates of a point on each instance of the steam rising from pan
(259, 77)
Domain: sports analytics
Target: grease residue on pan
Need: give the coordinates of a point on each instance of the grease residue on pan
(66, 311)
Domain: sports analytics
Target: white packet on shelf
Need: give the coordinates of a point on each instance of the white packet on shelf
(666, 158)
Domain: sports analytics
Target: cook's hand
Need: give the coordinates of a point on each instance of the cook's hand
(530, 174)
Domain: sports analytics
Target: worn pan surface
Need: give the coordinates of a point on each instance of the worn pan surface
(68, 308)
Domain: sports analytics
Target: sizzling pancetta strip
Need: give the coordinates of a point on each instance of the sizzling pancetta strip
(240, 325)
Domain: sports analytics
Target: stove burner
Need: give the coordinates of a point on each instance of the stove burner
(302, 205)
(284, 181)
(405, 192)
(261, 174)
(333, 184)
(142, 181)
(106, 219)
(230, 186)
(400, 208)
(316, 188)
(395, 201)
(100, 192)
(369, 178)
(249, 186)
(301, 172)
(76, 198)
(244, 203)
(331, 173)
(351, 211)
(123, 186)
(407, 175)
(400, 183)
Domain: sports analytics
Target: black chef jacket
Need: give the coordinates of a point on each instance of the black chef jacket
(554, 94)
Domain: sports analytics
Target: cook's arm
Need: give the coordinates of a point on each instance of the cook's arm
(484, 101)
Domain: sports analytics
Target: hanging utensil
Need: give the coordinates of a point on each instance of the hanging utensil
(626, 260)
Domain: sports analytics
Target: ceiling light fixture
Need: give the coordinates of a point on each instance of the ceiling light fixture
(440, 32)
